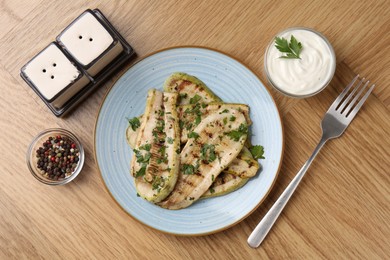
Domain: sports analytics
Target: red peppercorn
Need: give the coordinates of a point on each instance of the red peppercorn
(52, 158)
(73, 145)
(58, 137)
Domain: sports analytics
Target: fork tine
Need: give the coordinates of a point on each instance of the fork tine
(341, 96)
(354, 111)
(352, 103)
(342, 107)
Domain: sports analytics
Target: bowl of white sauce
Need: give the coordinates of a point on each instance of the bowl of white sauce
(303, 70)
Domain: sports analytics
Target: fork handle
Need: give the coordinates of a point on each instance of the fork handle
(265, 225)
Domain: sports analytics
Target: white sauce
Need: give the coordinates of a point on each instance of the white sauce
(304, 76)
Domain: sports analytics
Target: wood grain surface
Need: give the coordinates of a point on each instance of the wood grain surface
(341, 210)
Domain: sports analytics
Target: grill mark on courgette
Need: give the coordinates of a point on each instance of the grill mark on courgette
(183, 84)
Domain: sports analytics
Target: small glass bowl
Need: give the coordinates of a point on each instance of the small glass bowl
(333, 68)
(38, 142)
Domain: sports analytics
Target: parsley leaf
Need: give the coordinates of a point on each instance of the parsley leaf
(157, 182)
(144, 159)
(134, 123)
(237, 134)
(145, 147)
(189, 126)
(210, 156)
(181, 124)
(197, 120)
(193, 135)
(224, 111)
(141, 171)
(170, 140)
(195, 99)
(292, 49)
(182, 96)
(160, 126)
(162, 150)
(257, 152)
(188, 169)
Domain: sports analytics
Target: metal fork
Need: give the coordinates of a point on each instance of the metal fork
(334, 123)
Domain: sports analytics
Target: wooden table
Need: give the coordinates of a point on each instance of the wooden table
(340, 210)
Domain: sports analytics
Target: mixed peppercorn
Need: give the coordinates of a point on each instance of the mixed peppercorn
(58, 157)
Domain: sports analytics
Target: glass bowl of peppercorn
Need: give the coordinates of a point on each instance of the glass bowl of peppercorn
(55, 156)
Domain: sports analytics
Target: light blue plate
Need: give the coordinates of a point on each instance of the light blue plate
(231, 81)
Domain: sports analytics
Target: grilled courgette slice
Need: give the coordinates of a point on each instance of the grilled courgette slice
(224, 184)
(213, 146)
(191, 89)
(156, 159)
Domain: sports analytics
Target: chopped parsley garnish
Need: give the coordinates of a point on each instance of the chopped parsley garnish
(212, 190)
(195, 110)
(147, 157)
(224, 111)
(181, 124)
(189, 126)
(212, 177)
(197, 120)
(232, 119)
(162, 160)
(141, 171)
(141, 158)
(134, 123)
(188, 169)
(164, 156)
(207, 152)
(237, 134)
(225, 121)
(193, 135)
(145, 147)
(157, 182)
(158, 131)
(195, 99)
(170, 140)
(257, 152)
(182, 96)
(160, 126)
